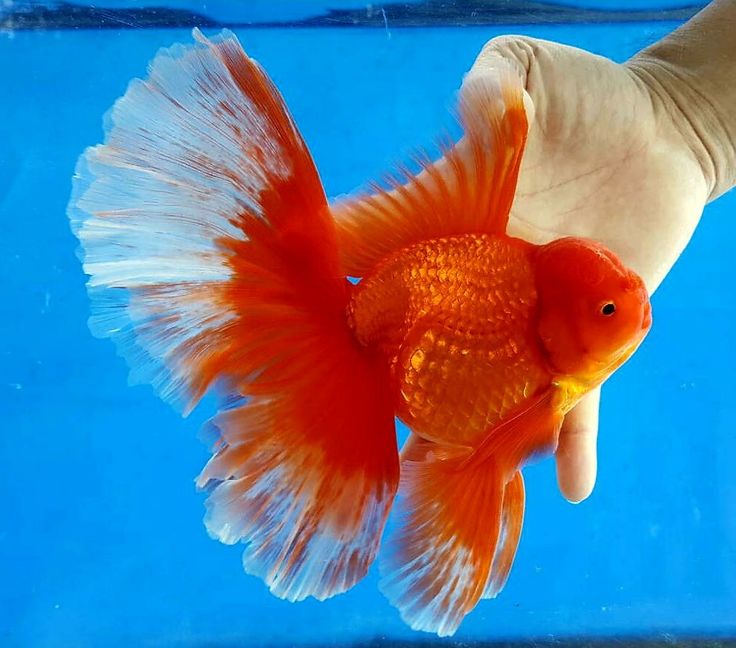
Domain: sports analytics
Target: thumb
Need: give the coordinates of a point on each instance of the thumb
(576, 450)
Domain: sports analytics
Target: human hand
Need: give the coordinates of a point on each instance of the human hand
(608, 158)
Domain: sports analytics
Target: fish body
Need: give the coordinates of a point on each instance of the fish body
(215, 262)
(455, 319)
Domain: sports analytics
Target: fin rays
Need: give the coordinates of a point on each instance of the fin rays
(213, 261)
(461, 512)
(437, 564)
(470, 189)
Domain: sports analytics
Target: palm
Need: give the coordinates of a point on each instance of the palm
(604, 161)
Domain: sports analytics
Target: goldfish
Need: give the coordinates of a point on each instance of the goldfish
(217, 264)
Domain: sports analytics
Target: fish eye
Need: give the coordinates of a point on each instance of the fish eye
(608, 309)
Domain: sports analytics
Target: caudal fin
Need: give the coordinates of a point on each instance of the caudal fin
(213, 262)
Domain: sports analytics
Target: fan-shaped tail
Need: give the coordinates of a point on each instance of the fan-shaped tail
(213, 261)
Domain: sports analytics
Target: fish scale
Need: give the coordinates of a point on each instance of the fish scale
(455, 317)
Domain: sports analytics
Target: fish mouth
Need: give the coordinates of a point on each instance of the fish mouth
(646, 320)
(627, 351)
(604, 370)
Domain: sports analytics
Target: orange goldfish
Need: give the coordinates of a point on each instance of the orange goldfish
(216, 262)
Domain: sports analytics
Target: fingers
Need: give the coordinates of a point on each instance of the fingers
(501, 52)
(576, 451)
(519, 50)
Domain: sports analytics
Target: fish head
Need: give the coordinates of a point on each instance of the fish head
(593, 310)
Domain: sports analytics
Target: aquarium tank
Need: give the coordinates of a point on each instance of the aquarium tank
(101, 539)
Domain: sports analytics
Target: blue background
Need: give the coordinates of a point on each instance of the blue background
(101, 541)
(263, 10)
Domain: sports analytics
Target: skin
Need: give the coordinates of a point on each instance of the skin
(627, 154)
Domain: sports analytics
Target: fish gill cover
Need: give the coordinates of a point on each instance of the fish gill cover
(122, 14)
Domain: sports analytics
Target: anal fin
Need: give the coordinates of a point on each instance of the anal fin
(437, 565)
(461, 514)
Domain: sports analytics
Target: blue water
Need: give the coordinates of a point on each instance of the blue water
(101, 540)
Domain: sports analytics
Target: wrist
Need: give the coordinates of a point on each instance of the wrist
(679, 97)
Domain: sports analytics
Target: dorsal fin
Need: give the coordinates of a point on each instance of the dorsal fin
(470, 189)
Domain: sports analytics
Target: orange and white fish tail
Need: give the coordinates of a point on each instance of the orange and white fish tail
(312, 522)
(213, 263)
